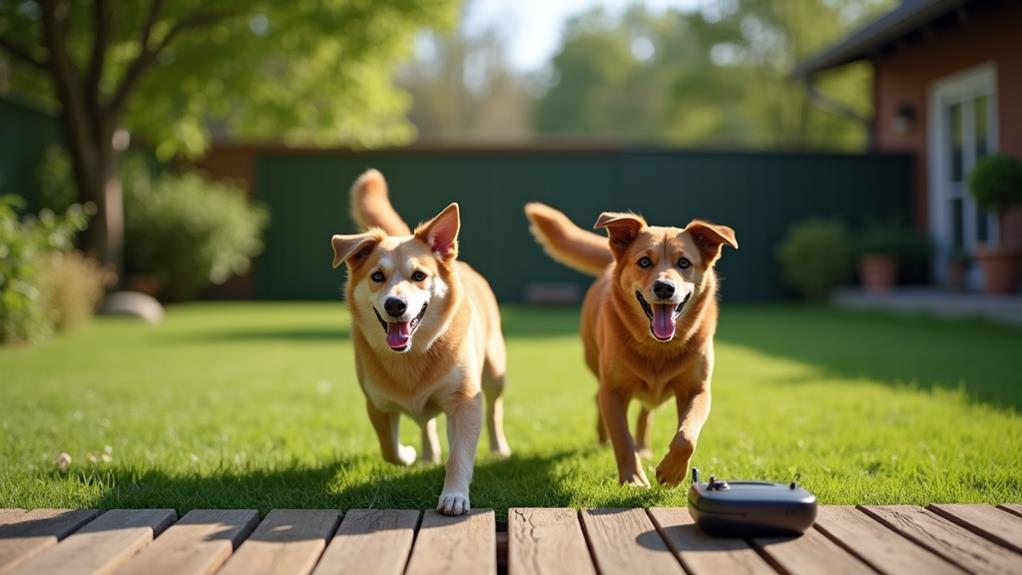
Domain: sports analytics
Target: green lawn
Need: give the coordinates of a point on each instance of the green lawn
(256, 406)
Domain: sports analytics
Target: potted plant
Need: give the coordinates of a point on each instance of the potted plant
(996, 184)
(877, 248)
(957, 267)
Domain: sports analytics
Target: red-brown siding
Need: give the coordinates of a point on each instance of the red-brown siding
(989, 33)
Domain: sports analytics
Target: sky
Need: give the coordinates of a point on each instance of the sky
(532, 28)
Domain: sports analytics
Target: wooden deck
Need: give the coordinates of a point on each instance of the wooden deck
(885, 539)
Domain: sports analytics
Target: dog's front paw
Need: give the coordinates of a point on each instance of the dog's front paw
(453, 503)
(405, 454)
(671, 470)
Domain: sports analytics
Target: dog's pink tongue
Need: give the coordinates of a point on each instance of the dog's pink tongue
(663, 320)
(398, 334)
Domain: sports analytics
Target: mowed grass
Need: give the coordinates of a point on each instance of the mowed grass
(256, 406)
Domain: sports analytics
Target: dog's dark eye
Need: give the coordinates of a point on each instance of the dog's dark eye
(378, 277)
(645, 262)
(418, 276)
(684, 264)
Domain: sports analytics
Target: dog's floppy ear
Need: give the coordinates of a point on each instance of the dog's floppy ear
(441, 233)
(621, 228)
(710, 238)
(354, 249)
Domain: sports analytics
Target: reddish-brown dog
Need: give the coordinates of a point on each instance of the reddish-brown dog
(647, 325)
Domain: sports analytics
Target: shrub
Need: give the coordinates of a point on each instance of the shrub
(74, 285)
(996, 182)
(815, 258)
(26, 248)
(188, 231)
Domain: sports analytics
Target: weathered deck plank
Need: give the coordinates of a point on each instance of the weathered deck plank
(370, 541)
(542, 540)
(464, 545)
(625, 541)
(103, 544)
(1013, 508)
(197, 544)
(985, 520)
(31, 533)
(288, 541)
(701, 553)
(812, 552)
(958, 545)
(871, 541)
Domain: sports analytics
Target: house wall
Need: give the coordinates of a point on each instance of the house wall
(989, 32)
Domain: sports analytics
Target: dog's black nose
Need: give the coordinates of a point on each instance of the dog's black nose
(663, 290)
(395, 307)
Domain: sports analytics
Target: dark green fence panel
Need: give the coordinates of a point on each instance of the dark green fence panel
(760, 195)
(25, 134)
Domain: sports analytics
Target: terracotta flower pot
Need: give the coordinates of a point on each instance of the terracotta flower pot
(1000, 269)
(878, 272)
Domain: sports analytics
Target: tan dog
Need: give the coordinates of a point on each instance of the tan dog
(426, 331)
(647, 325)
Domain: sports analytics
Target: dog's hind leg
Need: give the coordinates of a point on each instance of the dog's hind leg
(643, 427)
(493, 389)
(430, 442)
(601, 428)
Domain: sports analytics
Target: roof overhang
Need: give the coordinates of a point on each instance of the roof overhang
(909, 16)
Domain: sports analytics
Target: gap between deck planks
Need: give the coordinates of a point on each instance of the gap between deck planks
(885, 539)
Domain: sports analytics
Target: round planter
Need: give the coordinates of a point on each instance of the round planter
(1000, 269)
(878, 272)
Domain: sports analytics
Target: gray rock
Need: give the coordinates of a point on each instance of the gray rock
(133, 303)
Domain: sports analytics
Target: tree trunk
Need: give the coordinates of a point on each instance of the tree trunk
(88, 129)
(94, 159)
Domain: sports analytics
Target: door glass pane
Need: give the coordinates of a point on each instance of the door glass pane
(957, 223)
(957, 142)
(982, 127)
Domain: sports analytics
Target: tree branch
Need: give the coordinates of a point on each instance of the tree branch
(100, 41)
(147, 55)
(22, 54)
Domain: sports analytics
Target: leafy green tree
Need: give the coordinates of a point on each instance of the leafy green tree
(718, 76)
(316, 71)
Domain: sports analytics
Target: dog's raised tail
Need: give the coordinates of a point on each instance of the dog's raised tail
(370, 206)
(567, 243)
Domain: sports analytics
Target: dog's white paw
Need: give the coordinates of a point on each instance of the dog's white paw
(406, 454)
(453, 503)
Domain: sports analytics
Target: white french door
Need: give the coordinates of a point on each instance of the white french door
(963, 129)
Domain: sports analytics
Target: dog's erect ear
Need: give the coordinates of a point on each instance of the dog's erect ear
(710, 238)
(354, 249)
(441, 233)
(621, 229)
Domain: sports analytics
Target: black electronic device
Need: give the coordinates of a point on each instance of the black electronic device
(750, 508)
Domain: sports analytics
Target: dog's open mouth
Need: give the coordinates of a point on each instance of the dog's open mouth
(663, 317)
(399, 333)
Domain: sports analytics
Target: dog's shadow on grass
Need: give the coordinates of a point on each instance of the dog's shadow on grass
(498, 483)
